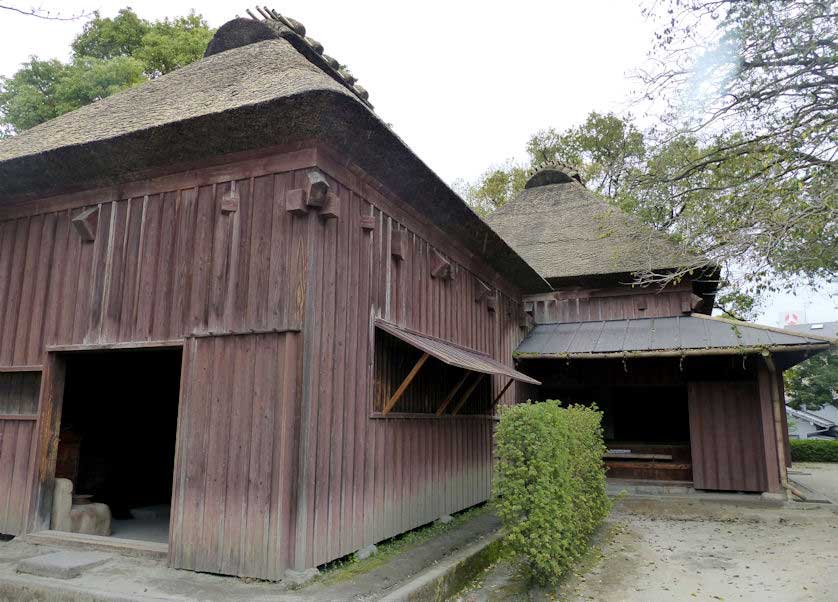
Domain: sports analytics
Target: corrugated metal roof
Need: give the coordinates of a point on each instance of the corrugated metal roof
(820, 421)
(656, 336)
(824, 329)
(454, 355)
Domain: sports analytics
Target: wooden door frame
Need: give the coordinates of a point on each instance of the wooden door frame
(48, 429)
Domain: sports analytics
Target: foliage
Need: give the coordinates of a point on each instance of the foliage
(754, 83)
(494, 187)
(109, 55)
(605, 148)
(549, 486)
(814, 450)
(740, 161)
(814, 383)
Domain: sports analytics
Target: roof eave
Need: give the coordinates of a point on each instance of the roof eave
(337, 118)
(756, 350)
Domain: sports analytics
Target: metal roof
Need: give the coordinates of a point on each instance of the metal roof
(454, 355)
(810, 417)
(823, 329)
(676, 335)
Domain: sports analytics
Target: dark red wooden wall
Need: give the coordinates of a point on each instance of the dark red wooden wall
(618, 302)
(732, 437)
(254, 295)
(18, 407)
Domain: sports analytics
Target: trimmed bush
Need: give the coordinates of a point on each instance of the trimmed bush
(549, 486)
(814, 450)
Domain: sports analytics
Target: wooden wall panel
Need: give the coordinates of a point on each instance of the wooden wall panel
(378, 477)
(236, 457)
(604, 304)
(18, 405)
(727, 437)
(167, 263)
(160, 267)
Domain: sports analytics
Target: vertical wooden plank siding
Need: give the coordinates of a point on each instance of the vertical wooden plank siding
(18, 406)
(381, 476)
(727, 437)
(279, 462)
(598, 305)
(236, 457)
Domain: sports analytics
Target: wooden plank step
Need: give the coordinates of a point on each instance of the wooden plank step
(128, 547)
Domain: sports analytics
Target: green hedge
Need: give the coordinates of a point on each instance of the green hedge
(549, 486)
(814, 450)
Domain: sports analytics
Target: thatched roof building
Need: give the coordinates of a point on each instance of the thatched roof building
(567, 232)
(262, 83)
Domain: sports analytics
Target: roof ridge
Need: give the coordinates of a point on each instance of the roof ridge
(239, 32)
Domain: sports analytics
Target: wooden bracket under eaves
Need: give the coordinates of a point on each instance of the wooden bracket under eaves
(440, 267)
(86, 223)
(398, 244)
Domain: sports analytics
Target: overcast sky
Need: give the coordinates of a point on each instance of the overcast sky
(463, 83)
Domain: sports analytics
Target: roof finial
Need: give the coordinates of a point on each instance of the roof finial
(552, 172)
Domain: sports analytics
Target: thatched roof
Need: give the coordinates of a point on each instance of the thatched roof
(269, 92)
(564, 230)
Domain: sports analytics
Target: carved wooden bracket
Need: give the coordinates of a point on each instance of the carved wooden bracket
(483, 291)
(318, 188)
(331, 206)
(230, 200)
(398, 244)
(368, 223)
(440, 267)
(86, 223)
(295, 201)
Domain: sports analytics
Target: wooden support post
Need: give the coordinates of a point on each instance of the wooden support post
(441, 409)
(402, 387)
(502, 391)
(467, 394)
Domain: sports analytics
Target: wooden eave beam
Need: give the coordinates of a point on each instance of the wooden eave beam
(467, 394)
(405, 383)
(448, 398)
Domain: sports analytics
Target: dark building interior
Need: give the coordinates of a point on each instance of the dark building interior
(118, 430)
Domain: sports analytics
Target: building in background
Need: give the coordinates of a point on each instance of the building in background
(821, 423)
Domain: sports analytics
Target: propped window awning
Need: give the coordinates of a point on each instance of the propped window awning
(468, 359)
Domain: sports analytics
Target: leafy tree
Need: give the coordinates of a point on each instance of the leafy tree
(109, 55)
(742, 163)
(814, 383)
(761, 100)
(606, 148)
(109, 38)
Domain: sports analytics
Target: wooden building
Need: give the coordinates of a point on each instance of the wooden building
(685, 397)
(235, 293)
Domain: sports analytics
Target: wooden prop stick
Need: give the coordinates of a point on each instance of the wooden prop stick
(502, 391)
(448, 398)
(468, 393)
(402, 387)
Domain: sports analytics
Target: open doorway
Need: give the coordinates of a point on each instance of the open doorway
(117, 441)
(646, 429)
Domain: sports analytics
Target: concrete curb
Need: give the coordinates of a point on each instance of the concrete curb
(449, 576)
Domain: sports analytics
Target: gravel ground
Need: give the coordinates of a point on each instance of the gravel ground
(655, 550)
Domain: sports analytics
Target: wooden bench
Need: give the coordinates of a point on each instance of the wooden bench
(631, 456)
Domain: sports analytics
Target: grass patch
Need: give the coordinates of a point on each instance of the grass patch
(349, 566)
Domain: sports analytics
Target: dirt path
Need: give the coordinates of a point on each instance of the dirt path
(821, 477)
(672, 551)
